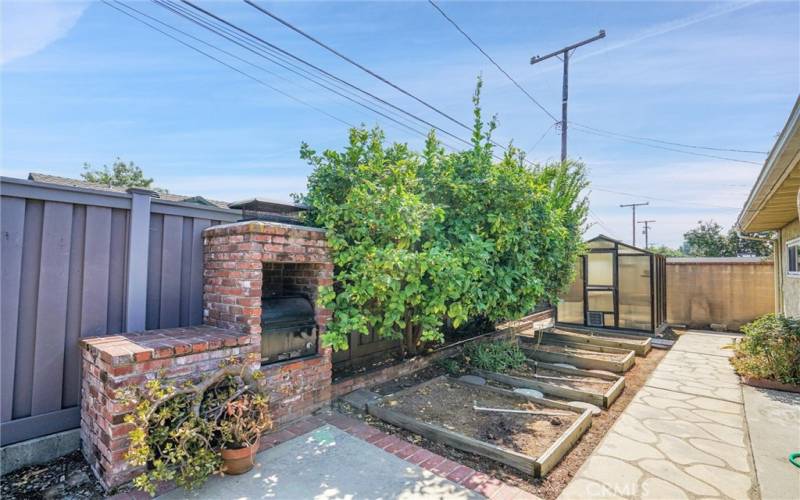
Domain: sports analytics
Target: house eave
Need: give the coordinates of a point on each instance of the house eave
(772, 201)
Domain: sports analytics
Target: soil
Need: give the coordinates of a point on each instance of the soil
(547, 488)
(450, 405)
(67, 477)
(583, 383)
(575, 351)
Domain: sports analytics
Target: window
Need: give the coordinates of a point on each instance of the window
(794, 256)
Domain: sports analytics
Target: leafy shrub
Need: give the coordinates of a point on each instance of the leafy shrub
(770, 349)
(494, 356)
(178, 427)
(422, 239)
(450, 365)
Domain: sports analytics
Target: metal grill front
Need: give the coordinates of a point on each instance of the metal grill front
(288, 328)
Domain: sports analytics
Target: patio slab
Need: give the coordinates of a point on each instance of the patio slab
(684, 434)
(328, 463)
(773, 418)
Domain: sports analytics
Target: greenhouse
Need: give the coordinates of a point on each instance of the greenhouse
(617, 286)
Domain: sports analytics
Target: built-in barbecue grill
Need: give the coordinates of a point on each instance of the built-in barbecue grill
(288, 328)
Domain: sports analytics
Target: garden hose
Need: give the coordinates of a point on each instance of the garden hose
(795, 458)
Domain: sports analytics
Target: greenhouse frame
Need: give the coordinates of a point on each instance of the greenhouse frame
(617, 286)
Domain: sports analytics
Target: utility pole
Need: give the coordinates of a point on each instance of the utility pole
(646, 232)
(564, 56)
(633, 220)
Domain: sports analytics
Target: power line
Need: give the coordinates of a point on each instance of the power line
(354, 63)
(303, 61)
(263, 52)
(682, 202)
(456, 26)
(595, 129)
(544, 134)
(229, 66)
(691, 146)
(581, 128)
(278, 63)
(602, 224)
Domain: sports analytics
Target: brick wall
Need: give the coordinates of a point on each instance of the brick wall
(247, 260)
(113, 363)
(342, 386)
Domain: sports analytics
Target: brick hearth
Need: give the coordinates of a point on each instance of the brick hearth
(236, 259)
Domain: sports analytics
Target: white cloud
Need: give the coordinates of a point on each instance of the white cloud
(31, 26)
(670, 26)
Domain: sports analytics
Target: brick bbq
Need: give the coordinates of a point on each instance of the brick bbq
(261, 277)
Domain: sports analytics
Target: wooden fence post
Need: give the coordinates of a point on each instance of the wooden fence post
(138, 242)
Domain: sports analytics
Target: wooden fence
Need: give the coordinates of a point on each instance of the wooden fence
(78, 263)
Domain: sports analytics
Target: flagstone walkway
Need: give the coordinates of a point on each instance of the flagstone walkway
(684, 434)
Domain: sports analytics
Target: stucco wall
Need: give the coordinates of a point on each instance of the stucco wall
(728, 291)
(791, 284)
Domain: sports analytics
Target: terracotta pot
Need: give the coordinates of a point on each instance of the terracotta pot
(239, 460)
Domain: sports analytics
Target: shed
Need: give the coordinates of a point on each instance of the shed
(617, 286)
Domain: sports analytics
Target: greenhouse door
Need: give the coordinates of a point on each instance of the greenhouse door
(601, 288)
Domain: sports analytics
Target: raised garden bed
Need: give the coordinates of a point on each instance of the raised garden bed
(640, 346)
(573, 384)
(588, 357)
(442, 410)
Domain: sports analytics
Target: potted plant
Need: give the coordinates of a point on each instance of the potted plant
(181, 429)
(243, 421)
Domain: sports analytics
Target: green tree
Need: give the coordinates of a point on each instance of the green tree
(419, 239)
(666, 251)
(709, 240)
(706, 240)
(121, 174)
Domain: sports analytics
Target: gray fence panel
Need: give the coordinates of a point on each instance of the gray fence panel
(12, 211)
(171, 247)
(65, 274)
(154, 272)
(116, 272)
(71, 389)
(51, 311)
(28, 298)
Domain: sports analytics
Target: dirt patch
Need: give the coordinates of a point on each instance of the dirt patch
(67, 477)
(549, 487)
(451, 405)
(579, 382)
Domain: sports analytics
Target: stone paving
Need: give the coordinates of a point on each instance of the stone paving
(683, 435)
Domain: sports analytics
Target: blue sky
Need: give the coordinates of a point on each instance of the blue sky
(83, 83)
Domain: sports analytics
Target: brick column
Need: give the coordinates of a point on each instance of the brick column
(236, 258)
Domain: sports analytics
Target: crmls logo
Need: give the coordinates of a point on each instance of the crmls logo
(616, 490)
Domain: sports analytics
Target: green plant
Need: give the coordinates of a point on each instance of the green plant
(450, 365)
(494, 356)
(243, 421)
(423, 239)
(177, 427)
(770, 349)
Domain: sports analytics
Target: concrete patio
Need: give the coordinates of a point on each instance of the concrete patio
(685, 435)
(329, 463)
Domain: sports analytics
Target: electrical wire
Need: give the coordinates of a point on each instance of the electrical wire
(520, 87)
(608, 136)
(682, 202)
(354, 63)
(289, 54)
(271, 55)
(632, 138)
(544, 134)
(691, 146)
(335, 91)
(229, 66)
